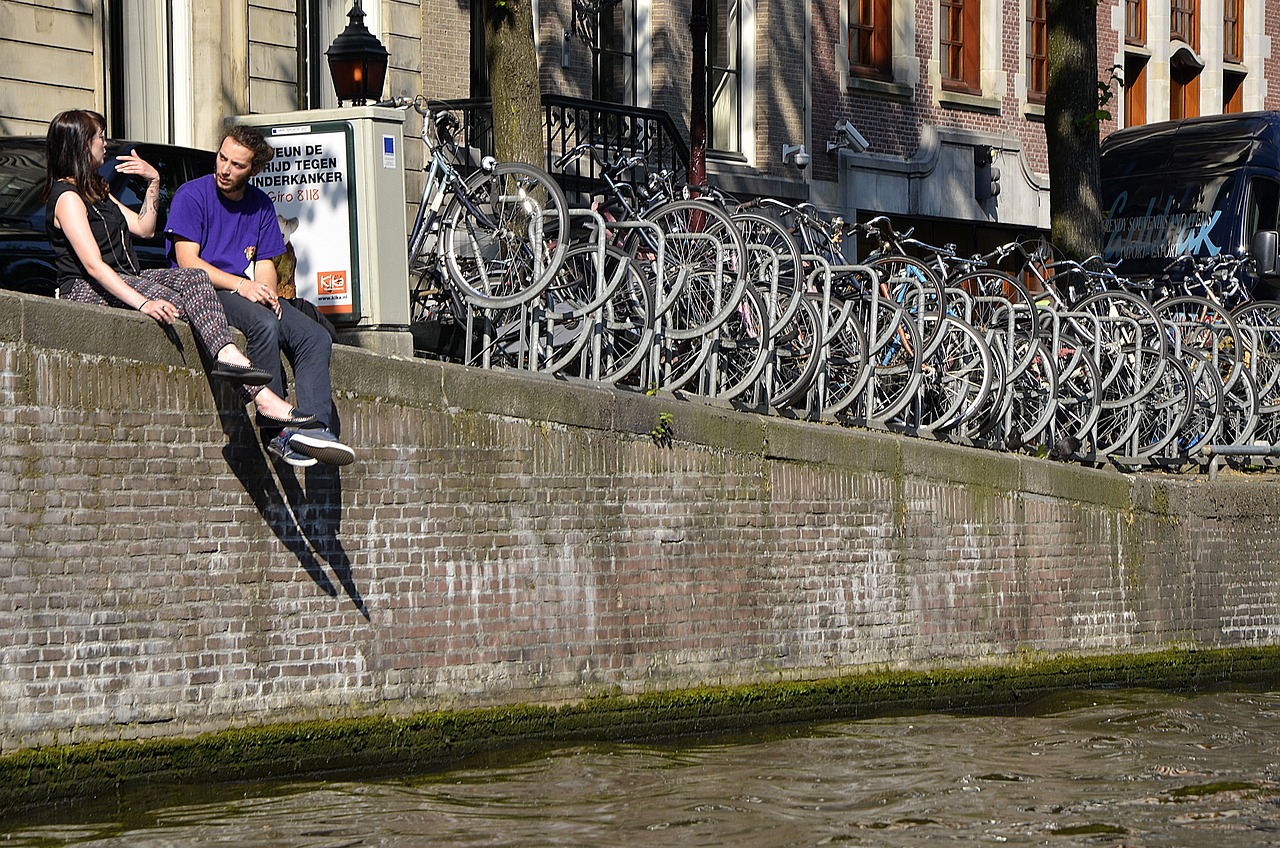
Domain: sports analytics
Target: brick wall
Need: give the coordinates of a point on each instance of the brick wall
(515, 539)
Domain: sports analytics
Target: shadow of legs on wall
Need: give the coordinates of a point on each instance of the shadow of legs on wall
(246, 459)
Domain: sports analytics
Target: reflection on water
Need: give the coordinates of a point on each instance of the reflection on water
(1131, 768)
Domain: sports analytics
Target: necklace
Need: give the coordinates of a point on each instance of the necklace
(127, 263)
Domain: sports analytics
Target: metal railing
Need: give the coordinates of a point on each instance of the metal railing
(568, 121)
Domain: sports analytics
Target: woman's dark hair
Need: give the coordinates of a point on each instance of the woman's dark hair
(66, 151)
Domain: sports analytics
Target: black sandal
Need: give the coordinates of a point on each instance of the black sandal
(246, 374)
(296, 418)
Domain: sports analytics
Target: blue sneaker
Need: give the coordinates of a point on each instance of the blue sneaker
(320, 444)
(280, 448)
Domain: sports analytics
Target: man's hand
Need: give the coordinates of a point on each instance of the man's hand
(259, 292)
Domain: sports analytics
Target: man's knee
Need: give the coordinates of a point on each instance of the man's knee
(252, 319)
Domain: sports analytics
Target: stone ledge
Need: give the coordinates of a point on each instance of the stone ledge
(46, 323)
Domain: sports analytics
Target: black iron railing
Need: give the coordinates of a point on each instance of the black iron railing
(613, 130)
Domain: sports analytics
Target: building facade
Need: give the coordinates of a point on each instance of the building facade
(930, 111)
(171, 71)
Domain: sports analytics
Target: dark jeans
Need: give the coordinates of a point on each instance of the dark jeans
(306, 344)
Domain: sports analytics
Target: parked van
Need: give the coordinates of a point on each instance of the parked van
(1199, 186)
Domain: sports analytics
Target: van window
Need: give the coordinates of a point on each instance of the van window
(1264, 203)
(1155, 216)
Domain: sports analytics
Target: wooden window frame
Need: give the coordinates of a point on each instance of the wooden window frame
(1232, 35)
(871, 42)
(1135, 22)
(1184, 22)
(724, 76)
(1037, 50)
(959, 45)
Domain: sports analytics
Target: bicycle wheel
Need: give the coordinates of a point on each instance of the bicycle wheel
(955, 379)
(844, 361)
(1033, 400)
(1001, 304)
(741, 348)
(505, 235)
(1133, 345)
(1076, 412)
(1207, 404)
(704, 251)
(758, 229)
(894, 356)
(909, 283)
(1162, 414)
(599, 322)
(1239, 412)
(795, 356)
(1259, 323)
(1199, 324)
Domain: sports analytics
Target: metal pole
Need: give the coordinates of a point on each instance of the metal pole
(698, 26)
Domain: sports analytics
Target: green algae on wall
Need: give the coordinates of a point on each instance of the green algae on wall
(372, 744)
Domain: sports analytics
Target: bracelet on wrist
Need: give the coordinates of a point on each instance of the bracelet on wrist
(144, 303)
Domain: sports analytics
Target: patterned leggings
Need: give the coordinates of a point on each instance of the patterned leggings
(188, 289)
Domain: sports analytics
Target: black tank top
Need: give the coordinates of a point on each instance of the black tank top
(110, 230)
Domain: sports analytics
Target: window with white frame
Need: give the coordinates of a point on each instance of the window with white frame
(724, 75)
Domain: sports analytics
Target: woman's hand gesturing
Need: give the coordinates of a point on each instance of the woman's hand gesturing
(134, 165)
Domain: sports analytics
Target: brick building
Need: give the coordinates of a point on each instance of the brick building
(925, 90)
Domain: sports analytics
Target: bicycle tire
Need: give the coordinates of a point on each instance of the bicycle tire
(795, 356)
(760, 229)
(844, 371)
(1076, 412)
(1196, 322)
(1260, 323)
(506, 235)
(897, 274)
(955, 379)
(703, 302)
(615, 324)
(990, 287)
(1134, 344)
(894, 357)
(742, 347)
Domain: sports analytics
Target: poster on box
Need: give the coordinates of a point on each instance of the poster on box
(310, 182)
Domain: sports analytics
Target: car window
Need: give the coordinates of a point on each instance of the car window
(21, 184)
(1264, 202)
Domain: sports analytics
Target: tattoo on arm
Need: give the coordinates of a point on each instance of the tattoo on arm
(148, 202)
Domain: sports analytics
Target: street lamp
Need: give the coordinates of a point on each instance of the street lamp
(357, 61)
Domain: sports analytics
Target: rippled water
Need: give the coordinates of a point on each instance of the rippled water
(1130, 768)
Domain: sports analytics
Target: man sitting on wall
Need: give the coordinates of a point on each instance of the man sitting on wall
(229, 228)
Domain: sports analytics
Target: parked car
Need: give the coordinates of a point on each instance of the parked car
(26, 259)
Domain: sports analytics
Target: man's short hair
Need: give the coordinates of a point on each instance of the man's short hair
(254, 140)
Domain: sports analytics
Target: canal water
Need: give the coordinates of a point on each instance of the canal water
(1115, 768)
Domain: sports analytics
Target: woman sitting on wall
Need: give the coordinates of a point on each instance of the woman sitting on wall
(91, 233)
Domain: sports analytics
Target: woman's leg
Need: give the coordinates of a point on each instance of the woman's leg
(190, 290)
(155, 284)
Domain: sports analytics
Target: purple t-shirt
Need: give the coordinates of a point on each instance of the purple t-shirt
(232, 234)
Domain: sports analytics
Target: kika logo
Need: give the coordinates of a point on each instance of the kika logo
(331, 282)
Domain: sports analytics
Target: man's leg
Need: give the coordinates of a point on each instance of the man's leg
(262, 330)
(309, 348)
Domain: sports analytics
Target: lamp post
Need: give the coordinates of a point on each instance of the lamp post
(357, 61)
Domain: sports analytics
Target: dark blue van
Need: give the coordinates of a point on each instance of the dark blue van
(1200, 187)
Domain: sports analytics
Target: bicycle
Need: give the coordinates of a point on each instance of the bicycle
(499, 235)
